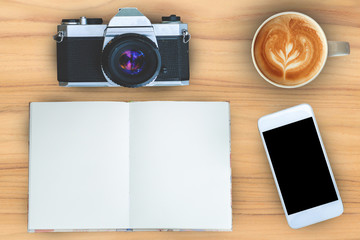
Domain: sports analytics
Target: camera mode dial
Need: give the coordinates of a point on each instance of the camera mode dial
(82, 21)
(171, 18)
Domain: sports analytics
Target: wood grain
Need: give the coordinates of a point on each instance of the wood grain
(221, 70)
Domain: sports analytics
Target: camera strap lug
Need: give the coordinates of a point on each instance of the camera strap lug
(59, 37)
(186, 36)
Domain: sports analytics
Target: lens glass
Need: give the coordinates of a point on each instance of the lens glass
(132, 61)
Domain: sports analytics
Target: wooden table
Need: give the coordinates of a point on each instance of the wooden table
(221, 70)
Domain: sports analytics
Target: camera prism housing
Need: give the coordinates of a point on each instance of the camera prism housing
(129, 51)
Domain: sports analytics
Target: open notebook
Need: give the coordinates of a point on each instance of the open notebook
(113, 166)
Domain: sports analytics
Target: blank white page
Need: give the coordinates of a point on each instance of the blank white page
(79, 165)
(180, 165)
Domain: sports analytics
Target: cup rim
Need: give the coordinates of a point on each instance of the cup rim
(258, 30)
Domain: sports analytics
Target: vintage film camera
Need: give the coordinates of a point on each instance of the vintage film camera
(128, 52)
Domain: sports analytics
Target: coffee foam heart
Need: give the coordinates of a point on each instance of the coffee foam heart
(290, 49)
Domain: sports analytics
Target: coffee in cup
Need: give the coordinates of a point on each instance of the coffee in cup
(290, 49)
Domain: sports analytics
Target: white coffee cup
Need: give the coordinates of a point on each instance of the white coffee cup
(332, 49)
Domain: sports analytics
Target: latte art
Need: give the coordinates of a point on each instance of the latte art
(285, 60)
(290, 49)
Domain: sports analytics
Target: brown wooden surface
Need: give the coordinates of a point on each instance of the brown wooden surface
(221, 70)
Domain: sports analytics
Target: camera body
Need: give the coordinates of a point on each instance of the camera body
(129, 51)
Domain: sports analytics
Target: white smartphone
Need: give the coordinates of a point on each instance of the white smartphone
(300, 166)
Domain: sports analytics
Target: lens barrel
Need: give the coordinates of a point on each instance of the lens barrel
(131, 60)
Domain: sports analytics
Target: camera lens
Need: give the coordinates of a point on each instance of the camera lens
(131, 60)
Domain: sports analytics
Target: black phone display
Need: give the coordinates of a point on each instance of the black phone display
(300, 166)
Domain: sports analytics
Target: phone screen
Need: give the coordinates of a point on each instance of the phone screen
(300, 166)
